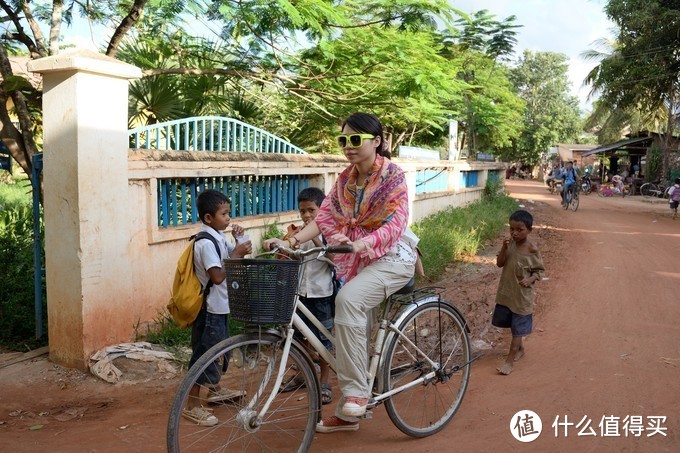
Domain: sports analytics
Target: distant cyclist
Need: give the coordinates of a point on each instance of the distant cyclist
(569, 178)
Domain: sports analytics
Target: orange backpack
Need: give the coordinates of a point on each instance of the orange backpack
(188, 295)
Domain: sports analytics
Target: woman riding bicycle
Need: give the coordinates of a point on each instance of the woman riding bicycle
(367, 209)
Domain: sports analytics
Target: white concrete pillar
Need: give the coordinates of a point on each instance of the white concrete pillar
(85, 112)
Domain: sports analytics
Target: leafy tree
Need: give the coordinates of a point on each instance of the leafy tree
(489, 108)
(254, 53)
(641, 73)
(552, 114)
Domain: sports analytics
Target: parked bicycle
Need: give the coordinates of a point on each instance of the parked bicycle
(655, 189)
(419, 366)
(571, 198)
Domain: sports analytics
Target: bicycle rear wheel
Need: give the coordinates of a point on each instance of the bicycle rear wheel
(573, 204)
(253, 364)
(439, 332)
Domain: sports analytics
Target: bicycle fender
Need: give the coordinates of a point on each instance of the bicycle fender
(433, 298)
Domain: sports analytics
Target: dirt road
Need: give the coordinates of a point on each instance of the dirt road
(604, 351)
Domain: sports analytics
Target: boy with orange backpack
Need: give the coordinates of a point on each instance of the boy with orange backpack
(212, 324)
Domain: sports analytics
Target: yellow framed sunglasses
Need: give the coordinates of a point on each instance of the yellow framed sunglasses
(352, 140)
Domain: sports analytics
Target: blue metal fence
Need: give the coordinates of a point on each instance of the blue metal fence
(209, 133)
(469, 178)
(249, 196)
(493, 176)
(431, 180)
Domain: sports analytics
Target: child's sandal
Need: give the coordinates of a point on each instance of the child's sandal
(326, 394)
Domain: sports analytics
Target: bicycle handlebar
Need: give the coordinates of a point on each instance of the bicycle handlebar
(324, 249)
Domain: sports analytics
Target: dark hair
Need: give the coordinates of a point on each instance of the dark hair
(368, 123)
(311, 194)
(524, 217)
(677, 180)
(209, 201)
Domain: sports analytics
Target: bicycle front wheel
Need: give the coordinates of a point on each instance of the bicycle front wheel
(573, 204)
(646, 189)
(438, 331)
(253, 362)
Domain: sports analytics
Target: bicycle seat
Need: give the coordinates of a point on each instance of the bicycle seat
(408, 288)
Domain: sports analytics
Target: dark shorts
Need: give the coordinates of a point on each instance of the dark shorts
(674, 204)
(323, 308)
(520, 325)
(208, 330)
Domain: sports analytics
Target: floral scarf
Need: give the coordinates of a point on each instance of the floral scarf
(376, 213)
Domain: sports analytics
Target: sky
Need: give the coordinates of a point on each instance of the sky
(568, 27)
(565, 26)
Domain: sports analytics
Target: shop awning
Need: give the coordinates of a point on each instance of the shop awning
(609, 149)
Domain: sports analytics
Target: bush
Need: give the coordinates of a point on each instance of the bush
(17, 308)
(454, 233)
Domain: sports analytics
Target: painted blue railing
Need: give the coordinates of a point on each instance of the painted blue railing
(209, 133)
(249, 196)
(431, 180)
(469, 178)
(493, 176)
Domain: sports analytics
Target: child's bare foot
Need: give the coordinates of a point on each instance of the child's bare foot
(519, 354)
(505, 369)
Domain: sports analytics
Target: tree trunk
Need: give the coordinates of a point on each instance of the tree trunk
(126, 24)
(55, 26)
(21, 144)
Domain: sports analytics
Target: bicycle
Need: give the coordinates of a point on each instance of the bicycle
(571, 197)
(419, 366)
(655, 189)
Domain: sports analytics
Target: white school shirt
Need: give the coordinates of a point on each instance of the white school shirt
(316, 279)
(673, 188)
(205, 257)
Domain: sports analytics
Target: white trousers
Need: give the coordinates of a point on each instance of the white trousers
(354, 318)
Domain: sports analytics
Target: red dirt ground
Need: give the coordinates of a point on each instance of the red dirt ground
(605, 343)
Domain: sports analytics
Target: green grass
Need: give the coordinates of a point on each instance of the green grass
(17, 312)
(455, 233)
(17, 193)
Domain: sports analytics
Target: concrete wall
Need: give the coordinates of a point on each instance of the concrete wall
(109, 266)
(153, 250)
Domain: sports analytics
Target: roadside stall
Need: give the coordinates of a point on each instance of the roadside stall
(625, 158)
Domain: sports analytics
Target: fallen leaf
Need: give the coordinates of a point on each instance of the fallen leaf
(123, 427)
(36, 427)
(43, 414)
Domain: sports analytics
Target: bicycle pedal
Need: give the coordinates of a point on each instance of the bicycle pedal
(367, 416)
(372, 403)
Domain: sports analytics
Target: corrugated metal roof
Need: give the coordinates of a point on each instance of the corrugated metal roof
(617, 145)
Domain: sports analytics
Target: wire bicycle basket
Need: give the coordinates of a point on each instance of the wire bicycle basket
(262, 291)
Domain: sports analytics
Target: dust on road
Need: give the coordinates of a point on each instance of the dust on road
(604, 347)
